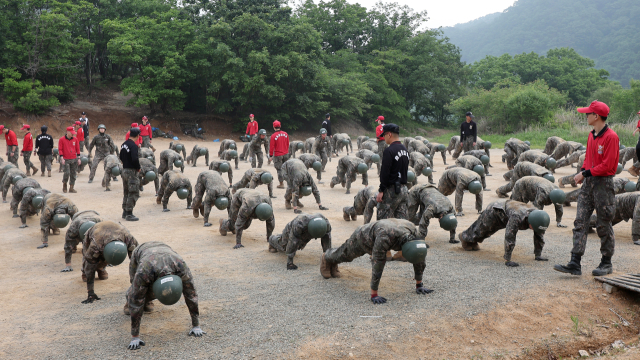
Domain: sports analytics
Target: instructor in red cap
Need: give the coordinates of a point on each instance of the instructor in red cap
(146, 133)
(80, 134)
(380, 137)
(12, 145)
(69, 149)
(27, 149)
(252, 126)
(138, 140)
(278, 150)
(597, 193)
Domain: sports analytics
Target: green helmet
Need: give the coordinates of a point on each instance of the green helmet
(266, 177)
(479, 169)
(16, 178)
(150, 158)
(557, 196)
(84, 160)
(115, 171)
(487, 145)
(317, 227)
(221, 202)
(317, 165)
(428, 157)
(375, 158)
(427, 171)
(168, 289)
(24, 191)
(582, 147)
(178, 163)
(305, 190)
(115, 252)
(85, 227)
(449, 222)
(475, 187)
(619, 170)
(539, 220)
(101, 126)
(233, 154)
(362, 168)
(415, 251)
(61, 220)
(527, 142)
(232, 146)
(150, 175)
(264, 211)
(484, 159)
(622, 147)
(203, 151)
(182, 193)
(365, 138)
(346, 141)
(55, 152)
(549, 177)
(323, 131)
(224, 167)
(7, 166)
(179, 147)
(630, 186)
(36, 202)
(440, 148)
(300, 146)
(425, 141)
(550, 163)
(262, 132)
(411, 176)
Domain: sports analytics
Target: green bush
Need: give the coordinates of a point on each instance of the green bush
(28, 95)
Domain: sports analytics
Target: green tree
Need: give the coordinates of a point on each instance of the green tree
(28, 95)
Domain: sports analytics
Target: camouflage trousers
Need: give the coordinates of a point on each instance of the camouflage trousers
(81, 145)
(597, 193)
(26, 157)
(467, 144)
(70, 170)
(381, 147)
(347, 252)
(568, 180)
(94, 165)
(323, 157)
(245, 152)
(45, 162)
(256, 155)
(146, 142)
(393, 205)
(130, 189)
(106, 179)
(277, 163)
(13, 158)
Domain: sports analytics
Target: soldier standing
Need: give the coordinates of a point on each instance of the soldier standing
(44, 147)
(252, 126)
(27, 149)
(69, 150)
(392, 193)
(12, 144)
(255, 150)
(278, 150)
(104, 146)
(298, 233)
(468, 133)
(130, 180)
(597, 193)
(322, 147)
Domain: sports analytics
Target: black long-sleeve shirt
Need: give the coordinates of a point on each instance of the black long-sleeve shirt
(468, 129)
(395, 163)
(129, 155)
(327, 126)
(44, 144)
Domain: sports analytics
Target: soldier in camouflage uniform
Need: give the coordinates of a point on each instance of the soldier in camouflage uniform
(295, 236)
(308, 144)
(72, 237)
(510, 215)
(376, 239)
(7, 180)
(457, 180)
(18, 190)
(228, 156)
(360, 140)
(111, 162)
(627, 154)
(26, 207)
(322, 147)
(454, 143)
(251, 179)
(149, 262)
(366, 155)
(537, 190)
(245, 153)
(242, 212)
(420, 162)
(363, 204)
(569, 179)
(172, 181)
(564, 149)
(337, 145)
(618, 188)
(433, 148)
(535, 156)
(51, 205)
(209, 187)
(478, 154)
(296, 175)
(370, 145)
(255, 148)
(104, 146)
(469, 162)
(145, 166)
(174, 145)
(147, 154)
(513, 148)
(418, 146)
(426, 203)
(626, 208)
(522, 169)
(215, 166)
(347, 171)
(552, 143)
(167, 158)
(195, 154)
(573, 158)
(308, 160)
(227, 144)
(407, 140)
(293, 147)
(4, 167)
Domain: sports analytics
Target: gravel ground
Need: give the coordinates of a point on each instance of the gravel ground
(250, 305)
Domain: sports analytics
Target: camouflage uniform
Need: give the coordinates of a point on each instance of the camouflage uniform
(627, 154)
(296, 175)
(418, 146)
(26, 157)
(510, 215)
(151, 261)
(469, 162)
(522, 169)
(337, 145)
(432, 151)
(228, 157)
(426, 203)
(360, 140)
(347, 171)
(174, 145)
(569, 179)
(552, 143)
(293, 147)
(571, 159)
(370, 145)
(17, 190)
(45, 162)
(381, 146)
(72, 237)
(242, 212)
(513, 148)
(457, 180)
(407, 140)
(255, 150)
(308, 160)
(130, 188)
(245, 153)
(376, 239)
(454, 144)
(26, 208)
(419, 162)
(195, 154)
(13, 158)
(226, 145)
(104, 146)
(145, 166)
(167, 158)
(8, 166)
(215, 166)
(111, 162)
(7, 180)
(626, 208)
(597, 193)
(618, 188)
(536, 190)
(172, 181)
(308, 144)
(295, 236)
(363, 204)
(147, 153)
(209, 187)
(366, 155)
(564, 149)
(251, 180)
(53, 204)
(393, 205)
(70, 170)
(322, 148)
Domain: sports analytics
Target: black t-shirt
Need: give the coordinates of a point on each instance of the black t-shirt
(395, 163)
(327, 126)
(468, 129)
(129, 155)
(44, 144)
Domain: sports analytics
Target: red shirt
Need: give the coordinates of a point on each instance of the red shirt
(279, 144)
(80, 134)
(69, 149)
(138, 142)
(145, 130)
(602, 153)
(252, 128)
(11, 138)
(638, 124)
(27, 144)
(379, 132)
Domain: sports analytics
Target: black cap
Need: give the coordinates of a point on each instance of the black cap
(84, 113)
(134, 132)
(327, 115)
(390, 128)
(469, 114)
(44, 128)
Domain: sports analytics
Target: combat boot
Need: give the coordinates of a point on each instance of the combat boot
(71, 190)
(632, 170)
(353, 214)
(64, 187)
(148, 307)
(131, 217)
(125, 310)
(124, 214)
(222, 228)
(42, 174)
(84, 277)
(28, 172)
(325, 268)
(48, 173)
(56, 231)
(35, 170)
(345, 214)
(102, 274)
(604, 268)
(573, 267)
(287, 204)
(334, 271)
(300, 204)
(272, 249)
(281, 186)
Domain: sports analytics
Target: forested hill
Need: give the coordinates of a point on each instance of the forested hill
(607, 31)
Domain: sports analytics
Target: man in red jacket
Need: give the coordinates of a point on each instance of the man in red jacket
(79, 134)
(380, 138)
(27, 149)
(597, 193)
(138, 141)
(278, 150)
(146, 133)
(69, 149)
(12, 145)
(252, 126)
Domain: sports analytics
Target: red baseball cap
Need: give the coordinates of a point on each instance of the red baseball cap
(1, 127)
(597, 107)
(134, 125)
(144, 118)
(250, 115)
(78, 123)
(276, 124)
(638, 112)
(71, 130)
(25, 126)
(380, 118)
